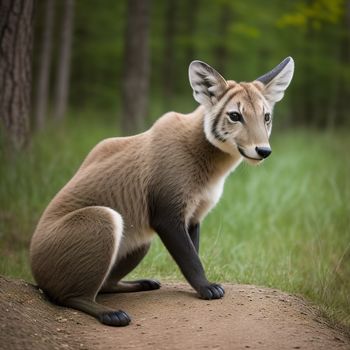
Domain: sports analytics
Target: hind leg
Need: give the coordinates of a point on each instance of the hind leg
(122, 268)
(104, 314)
(73, 259)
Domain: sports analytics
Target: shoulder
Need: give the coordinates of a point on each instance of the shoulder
(176, 123)
(167, 120)
(106, 148)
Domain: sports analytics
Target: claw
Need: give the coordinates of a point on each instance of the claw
(212, 291)
(150, 284)
(222, 290)
(115, 318)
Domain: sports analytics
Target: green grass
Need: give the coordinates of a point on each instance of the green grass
(284, 224)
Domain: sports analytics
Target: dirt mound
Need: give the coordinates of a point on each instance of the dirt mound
(170, 318)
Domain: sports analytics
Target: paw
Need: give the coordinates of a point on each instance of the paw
(149, 284)
(212, 291)
(115, 318)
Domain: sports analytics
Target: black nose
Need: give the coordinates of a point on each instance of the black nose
(263, 151)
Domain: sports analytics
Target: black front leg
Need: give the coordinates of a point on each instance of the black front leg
(176, 239)
(194, 230)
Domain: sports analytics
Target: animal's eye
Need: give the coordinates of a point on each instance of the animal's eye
(235, 116)
(267, 117)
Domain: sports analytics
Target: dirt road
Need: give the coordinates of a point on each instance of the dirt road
(249, 317)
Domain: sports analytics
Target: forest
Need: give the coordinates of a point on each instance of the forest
(83, 56)
(73, 72)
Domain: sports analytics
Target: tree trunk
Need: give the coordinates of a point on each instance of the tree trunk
(344, 86)
(334, 83)
(191, 26)
(44, 69)
(221, 53)
(135, 83)
(64, 61)
(169, 66)
(16, 43)
(307, 117)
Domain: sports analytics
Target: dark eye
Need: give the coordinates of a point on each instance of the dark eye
(235, 116)
(267, 117)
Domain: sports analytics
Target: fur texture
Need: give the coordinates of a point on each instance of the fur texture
(165, 180)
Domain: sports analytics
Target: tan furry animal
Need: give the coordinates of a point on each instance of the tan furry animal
(165, 180)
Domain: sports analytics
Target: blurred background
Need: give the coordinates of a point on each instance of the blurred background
(73, 72)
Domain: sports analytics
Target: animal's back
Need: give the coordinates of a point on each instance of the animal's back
(117, 174)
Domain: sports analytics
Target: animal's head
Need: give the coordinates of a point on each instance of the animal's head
(238, 116)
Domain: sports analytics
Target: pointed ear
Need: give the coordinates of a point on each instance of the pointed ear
(277, 80)
(207, 84)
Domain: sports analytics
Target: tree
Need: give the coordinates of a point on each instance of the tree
(221, 54)
(169, 63)
(135, 80)
(44, 68)
(321, 67)
(344, 59)
(16, 42)
(64, 60)
(191, 22)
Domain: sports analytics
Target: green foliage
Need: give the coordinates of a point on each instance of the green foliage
(97, 54)
(244, 39)
(317, 13)
(284, 224)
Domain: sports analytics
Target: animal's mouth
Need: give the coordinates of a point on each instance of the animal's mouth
(241, 151)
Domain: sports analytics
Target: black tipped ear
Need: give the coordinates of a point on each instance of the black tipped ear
(207, 84)
(277, 80)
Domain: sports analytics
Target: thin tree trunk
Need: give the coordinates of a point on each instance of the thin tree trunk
(44, 70)
(191, 25)
(169, 66)
(334, 83)
(135, 84)
(64, 61)
(307, 117)
(221, 53)
(344, 88)
(16, 43)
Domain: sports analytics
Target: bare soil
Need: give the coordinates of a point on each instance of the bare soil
(248, 317)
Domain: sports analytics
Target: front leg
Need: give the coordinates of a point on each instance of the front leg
(193, 231)
(176, 239)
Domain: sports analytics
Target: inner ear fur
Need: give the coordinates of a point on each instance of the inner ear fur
(207, 84)
(276, 81)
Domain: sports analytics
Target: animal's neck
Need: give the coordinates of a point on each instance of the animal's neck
(209, 156)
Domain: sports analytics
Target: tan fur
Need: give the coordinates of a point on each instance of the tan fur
(102, 214)
(117, 173)
(252, 105)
